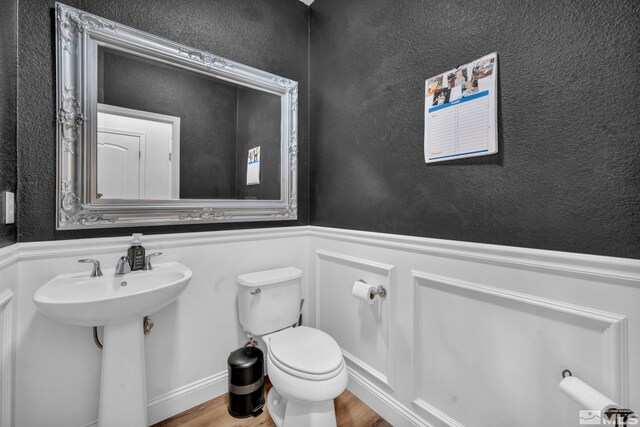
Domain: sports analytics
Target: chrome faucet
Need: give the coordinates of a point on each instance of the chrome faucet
(123, 266)
(147, 261)
(96, 272)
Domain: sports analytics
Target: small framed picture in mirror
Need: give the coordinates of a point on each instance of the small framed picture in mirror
(253, 166)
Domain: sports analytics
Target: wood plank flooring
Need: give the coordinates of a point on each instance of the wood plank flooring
(350, 412)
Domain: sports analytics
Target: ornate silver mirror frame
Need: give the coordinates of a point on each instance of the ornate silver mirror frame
(78, 35)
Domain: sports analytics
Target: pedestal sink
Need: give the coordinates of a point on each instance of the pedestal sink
(119, 303)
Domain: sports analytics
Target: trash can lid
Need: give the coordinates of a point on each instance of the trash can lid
(245, 357)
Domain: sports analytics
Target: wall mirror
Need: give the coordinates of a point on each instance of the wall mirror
(153, 132)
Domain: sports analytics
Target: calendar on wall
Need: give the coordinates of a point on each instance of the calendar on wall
(461, 111)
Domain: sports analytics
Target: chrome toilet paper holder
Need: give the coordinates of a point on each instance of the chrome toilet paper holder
(381, 291)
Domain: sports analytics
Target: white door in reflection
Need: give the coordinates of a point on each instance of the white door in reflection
(138, 154)
(120, 175)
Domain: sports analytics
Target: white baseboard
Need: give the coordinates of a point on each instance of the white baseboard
(187, 397)
(380, 401)
(183, 398)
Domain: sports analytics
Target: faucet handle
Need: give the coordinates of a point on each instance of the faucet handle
(96, 272)
(147, 261)
(123, 266)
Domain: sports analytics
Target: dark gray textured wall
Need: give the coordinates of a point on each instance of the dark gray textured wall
(207, 108)
(567, 176)
(8, 29)
(266, 34)
(259, 126)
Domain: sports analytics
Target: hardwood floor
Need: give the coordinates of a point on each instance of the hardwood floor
(350, 412)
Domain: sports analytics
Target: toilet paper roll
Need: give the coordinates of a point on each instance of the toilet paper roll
(586, 396)
(364, 292)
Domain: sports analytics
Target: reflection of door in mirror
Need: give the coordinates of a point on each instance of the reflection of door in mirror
(138, 154)
(119, 161)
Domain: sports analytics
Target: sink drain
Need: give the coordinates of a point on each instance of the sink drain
(123, 284)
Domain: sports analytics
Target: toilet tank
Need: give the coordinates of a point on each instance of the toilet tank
(269, 300)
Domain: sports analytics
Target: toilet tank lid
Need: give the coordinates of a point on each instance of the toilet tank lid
(269, 277)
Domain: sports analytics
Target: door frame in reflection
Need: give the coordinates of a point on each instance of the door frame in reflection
(145, 155)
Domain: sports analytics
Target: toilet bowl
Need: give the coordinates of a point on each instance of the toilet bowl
(305, 365)
(307, 371)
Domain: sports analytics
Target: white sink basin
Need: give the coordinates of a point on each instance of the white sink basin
(85, 301)
(119, 303)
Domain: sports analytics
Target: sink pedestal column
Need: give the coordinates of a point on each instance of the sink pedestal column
(123, 390)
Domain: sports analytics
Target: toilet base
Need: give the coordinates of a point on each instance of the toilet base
(294, 413)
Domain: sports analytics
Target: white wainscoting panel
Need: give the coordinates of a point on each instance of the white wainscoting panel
(57, 366)
(362, 330)
(479, 334)
(487, 356)
(6, 358)
(467, 330)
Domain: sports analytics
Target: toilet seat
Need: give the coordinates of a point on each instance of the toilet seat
(306, 353)
(305, 375)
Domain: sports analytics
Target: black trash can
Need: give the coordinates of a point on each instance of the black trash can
(246, 382)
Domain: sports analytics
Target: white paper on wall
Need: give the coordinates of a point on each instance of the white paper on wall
(460, 111)
(253, 166)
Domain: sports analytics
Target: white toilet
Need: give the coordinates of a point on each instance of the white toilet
(305, 365)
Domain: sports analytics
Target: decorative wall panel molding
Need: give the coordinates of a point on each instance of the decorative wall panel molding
(592, 342)
(386, 380)
(360, 348)
(9, 255)
(180, 362)
(62, 248)
(606, 269)
(6, 359)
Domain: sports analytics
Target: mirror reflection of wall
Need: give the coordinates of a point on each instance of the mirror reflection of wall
(258, 122)
(191, 131)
